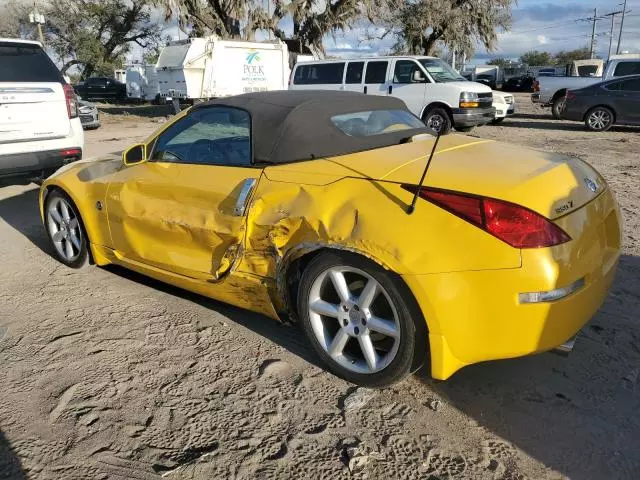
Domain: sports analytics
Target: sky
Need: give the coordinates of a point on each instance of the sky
(537, 25)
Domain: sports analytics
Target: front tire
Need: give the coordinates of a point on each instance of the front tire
(65, 230)
(599, 119)
(357, 317)
(438, 120)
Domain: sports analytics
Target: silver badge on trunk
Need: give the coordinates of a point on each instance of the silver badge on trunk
(591, 184)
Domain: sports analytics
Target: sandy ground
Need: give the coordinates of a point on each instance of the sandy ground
(106, 374)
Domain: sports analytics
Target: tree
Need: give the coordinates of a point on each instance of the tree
(97, 34)
(534, 58)
(500, 62)
(422, 26)
(565, 57)
(311, 19)
(14, 17)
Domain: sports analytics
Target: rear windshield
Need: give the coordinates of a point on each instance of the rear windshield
(26, 63)
(376, 122)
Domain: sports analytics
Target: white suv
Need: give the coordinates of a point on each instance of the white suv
(39, 125)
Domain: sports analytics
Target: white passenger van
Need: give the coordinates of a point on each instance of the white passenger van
(431, 89)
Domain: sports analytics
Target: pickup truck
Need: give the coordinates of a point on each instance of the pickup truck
(552, 91)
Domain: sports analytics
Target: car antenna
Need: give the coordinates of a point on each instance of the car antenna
(412, 207)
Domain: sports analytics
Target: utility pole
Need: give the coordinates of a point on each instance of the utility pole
(624, 10)
(593, 33)
(38, 19)
(613, 16)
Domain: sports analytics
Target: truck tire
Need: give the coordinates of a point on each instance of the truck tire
(438, 120)
(558, 105)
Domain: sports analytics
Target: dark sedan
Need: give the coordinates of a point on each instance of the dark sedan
(602, 105)
(102, 88)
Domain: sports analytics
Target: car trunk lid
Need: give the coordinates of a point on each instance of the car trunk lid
(550, 184)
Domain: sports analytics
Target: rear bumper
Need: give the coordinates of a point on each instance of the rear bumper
(471, 117)
(480, 315)
(537, 98)
(570, 113)
(37, 164)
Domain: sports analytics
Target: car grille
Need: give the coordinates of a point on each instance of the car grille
(86, 118)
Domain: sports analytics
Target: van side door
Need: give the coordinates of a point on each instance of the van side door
(408, 83)
(375, 78)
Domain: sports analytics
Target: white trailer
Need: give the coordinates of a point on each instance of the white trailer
(201, 68)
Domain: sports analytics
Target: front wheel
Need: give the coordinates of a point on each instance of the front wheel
(357, 319)
(438, 120)
(65, 230)
(599, 119)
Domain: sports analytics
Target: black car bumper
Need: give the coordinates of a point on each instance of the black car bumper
(573, 112)
(37, 164)
(471, 117)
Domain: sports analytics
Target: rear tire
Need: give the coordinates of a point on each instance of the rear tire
(358, 319)
(558, 106)
(599, 119)
(65, 230)
(438, 120)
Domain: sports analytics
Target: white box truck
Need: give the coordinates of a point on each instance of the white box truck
(142, 83)
(202, 68)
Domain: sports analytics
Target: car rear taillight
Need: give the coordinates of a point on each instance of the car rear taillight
(571, 95)
(513, 224)
(72, 102)
(536, 86)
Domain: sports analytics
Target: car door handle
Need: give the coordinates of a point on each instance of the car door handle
(245, 192)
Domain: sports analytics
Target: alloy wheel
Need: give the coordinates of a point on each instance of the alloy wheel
(354, 320)
(435, 122)
(64, 229)
(599, 119)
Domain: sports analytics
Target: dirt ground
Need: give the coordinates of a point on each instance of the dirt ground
(106, 374)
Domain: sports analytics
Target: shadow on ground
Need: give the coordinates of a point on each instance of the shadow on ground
(577, 415)
(10, 465)
(145, 110)
(530, 120)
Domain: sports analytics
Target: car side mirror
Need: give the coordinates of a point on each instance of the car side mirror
(135, 154)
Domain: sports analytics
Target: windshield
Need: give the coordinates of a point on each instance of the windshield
(441, 71)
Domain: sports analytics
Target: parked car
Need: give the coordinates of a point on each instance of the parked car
(89, 115)
(102, 88)
(488, 80)
(39, 126)
(519, 84)
(600, 106)
(432, 90)
(317, 204)
(551, 91)
(505, 106)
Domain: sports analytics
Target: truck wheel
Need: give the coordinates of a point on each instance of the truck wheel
(438, 120)
(599, 119)
(558, 106)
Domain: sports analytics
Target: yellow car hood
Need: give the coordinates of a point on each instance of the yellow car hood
(550, 184)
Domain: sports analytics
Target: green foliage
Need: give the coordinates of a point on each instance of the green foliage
(96, 35)
(535, 58)
(565, 57)
(423, 26)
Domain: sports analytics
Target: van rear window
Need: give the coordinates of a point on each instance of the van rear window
(319, 73)
(23, 62)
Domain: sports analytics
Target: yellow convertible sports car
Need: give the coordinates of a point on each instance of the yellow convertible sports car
(391, 247)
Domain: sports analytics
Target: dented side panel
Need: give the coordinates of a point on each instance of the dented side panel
(287, 219)
(179, 217)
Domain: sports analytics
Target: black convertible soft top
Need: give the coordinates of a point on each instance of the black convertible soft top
(294, 125)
